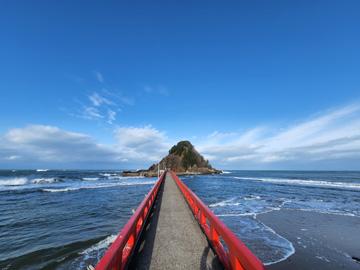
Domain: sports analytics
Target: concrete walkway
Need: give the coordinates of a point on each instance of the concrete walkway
(173, 239)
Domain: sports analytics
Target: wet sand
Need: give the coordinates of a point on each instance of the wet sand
(321, 241)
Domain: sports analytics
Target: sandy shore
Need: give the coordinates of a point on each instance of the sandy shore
(321, 241)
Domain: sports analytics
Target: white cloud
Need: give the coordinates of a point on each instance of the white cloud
(111, 116)
(142, 143)
(91, 113)
(39, 143)
(104, 105)
(329, 136)
(160, 90)
(97, 100)
(49, 145)
(99, 76)
(100, 108)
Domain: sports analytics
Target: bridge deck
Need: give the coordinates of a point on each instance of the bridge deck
(173, 239)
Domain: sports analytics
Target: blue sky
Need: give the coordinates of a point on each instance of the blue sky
(113, 84)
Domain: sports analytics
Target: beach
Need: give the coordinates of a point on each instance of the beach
(321, 241)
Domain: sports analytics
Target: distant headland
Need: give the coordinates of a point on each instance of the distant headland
(182, 159)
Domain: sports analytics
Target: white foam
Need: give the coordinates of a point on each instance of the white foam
(105, 185)
(236, 215)
(90, 178)
(100, 245)
(303, 182)
(15, 181)
(229, 202)
(252, 197)
(328, 212)
(42, 170)
(291, 246)
(253, 214)
(59, 189)
(322, 258)
(108, 174)
(226, 172)
(44, 180)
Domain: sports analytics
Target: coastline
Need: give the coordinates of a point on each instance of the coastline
(147, 173)
(321, 241)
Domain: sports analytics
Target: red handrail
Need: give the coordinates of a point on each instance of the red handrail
(237, 255)
(118, 254)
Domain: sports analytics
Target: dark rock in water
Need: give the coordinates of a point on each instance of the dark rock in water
(182, 159)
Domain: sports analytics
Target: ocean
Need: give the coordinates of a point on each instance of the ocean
(66, 219)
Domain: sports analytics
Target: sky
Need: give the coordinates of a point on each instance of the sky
(114, 84)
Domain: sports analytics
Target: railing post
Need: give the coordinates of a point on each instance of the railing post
(216, 230)
(234, 262)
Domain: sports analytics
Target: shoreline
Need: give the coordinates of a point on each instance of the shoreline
(321, 241)
(146, 173)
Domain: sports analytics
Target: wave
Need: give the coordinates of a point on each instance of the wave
(15, 181)
(95, 187)
(90, 178)
(59, 189)
(99, 246)
(303, 182)
(42, 170)
(45, 180)
(328, 212)
(231, 201)
(228, 202)
(289, 251)
(226, 172)
(252, 197)
(251, 214)
(108, 174)
(270, 246)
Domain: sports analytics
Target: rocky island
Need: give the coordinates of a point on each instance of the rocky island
(182, 159)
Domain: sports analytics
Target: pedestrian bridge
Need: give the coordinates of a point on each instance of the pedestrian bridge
(173, 229)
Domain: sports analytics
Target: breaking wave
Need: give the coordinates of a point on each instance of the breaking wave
(98, 246)
(15, 181)
(303, 182)
(108, 174)
(90, 178)
(45, 180)
(105, 185)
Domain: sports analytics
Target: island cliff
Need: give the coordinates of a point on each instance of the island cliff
(182, 159)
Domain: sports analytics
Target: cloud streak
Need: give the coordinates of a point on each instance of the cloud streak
(99, 76)
(329, 136)
(330, 140)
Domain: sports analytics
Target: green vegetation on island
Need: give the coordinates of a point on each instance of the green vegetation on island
(182, 159)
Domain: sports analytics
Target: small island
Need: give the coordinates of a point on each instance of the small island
(182, 159)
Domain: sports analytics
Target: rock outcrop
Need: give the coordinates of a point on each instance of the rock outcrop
(182, 159)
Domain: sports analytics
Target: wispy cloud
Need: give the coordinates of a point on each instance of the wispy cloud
(160, 90)
(99, 76)
(91, 113)
(98, 100)
(331, 135)
(100, 106)
(111, 116)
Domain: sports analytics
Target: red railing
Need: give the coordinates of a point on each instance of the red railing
(118, 254)
(235, 255)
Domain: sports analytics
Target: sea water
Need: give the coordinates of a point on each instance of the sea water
(67, 219)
